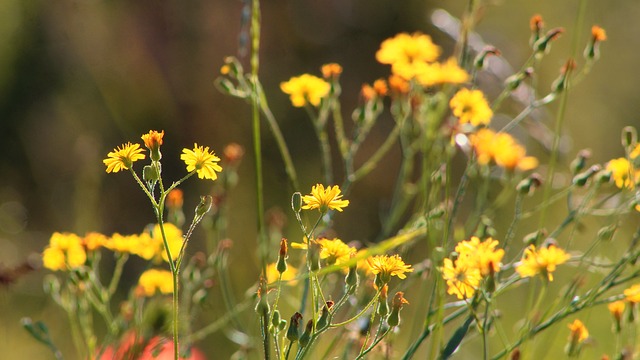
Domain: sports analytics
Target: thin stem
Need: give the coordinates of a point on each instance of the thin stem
(372, 162)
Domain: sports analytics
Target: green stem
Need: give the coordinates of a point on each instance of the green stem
(372, 162)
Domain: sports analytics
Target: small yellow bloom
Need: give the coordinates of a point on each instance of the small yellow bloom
(471, 107)
(462, 279)
(65, 251)
(288, 276)
(305, 89)
(633, 294)
(122, 157)
(174, 239)
(201, 160)
(502, 149)
(579, 332)
(446, 73)
(331, 70)
(335, 251)
(385, 267)
(623, 173)
(616, 309)
(407, 53)
(145, 246)
(120, 243)
(93, 241)
(482, 255)
(324, 199)
(153, 281)
(542, 261)
(152, 141)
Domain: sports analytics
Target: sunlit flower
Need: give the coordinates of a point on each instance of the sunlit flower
(384, 267)
(153, 281)
(621, 173)
(288, 276)
(616, 309)
(304, 245)
(632, 294)
(407, 53)
(65, 251)
(462, 278)
(598, 33)
(482, 255)
(470, 106)
(579, 332)
(152, 141)
(542, 261)
(201, 160)
(305, 89)
(442, 73)
(335, 251)
(502, 149)
(122, 157)
(331, 70)
(324, 199)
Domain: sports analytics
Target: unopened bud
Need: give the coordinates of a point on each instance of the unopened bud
(281, 265)
(204, 206)
(151, 172)
(313, 255)
(512, 82)
(606, 233)
(296, 202)
(351, 280)
(592, 51)
(629, 137)
(482, 56)
(306, 335)
(581, 179)
(398, 302)
(383, 306)
(323, 321)
(275, 320)
(262, 307)
(560, 84)
(534, 237)
(580, 161)
(603, 176)
(536, 24)
(542, 44)
(293, 334)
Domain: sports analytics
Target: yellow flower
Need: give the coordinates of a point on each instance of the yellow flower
(598, 33)
(93, 241)
(470, 106)
(579, 332)
(407, 53)
(446, 73)
(65, 251)
(201, 160)
(174, 239)
(542, 261)
(152, 141)
(335, 251)
(502, 149)
(331, 70)
(621, 170)
(145, 246)
(288, 276)
(462, 279)
(304, 245)
(616, 309)
(633, 294)
(482, 255)
(122, 157)
(324, 199)
(120, 243)
(305, 89)
(153, 280)
(385, 267)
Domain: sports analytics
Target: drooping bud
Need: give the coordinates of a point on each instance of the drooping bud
(598, 35)
(323, 321)
(293, 334)
(482, 56)
(542, 44)
(204, 206)
(306, 335)
(281, 265)
(560, 84)
(398, 302)
(580, 161)
(581, 179)
(530, 184)
(512, 82)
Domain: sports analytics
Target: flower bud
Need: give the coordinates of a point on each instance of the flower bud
(204, 206)
(293, 334)
(281, 265)
(592, 51)
(398, 303)
(581, 179)
(580, 161)
(323, 321)
(616, 309)
(351, 280)
(151, 172)
(629, 137)
(560, 84)
(482, 56)
(152, 141)
(306, 335)
(606, 233)
(296, 202)
(262, 307)
(512, 82)
(536, 24)
(383, 306)
(542, 44)
(313, 255)
(528, 185)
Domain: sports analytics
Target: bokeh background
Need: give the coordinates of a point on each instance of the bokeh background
(79, 77)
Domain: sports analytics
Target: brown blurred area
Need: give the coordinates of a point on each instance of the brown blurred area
(80, 77)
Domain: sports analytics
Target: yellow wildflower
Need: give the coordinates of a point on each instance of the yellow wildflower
(616, 309)
(305, 89)
(331, 70)
(122, 157)
(145, 246)
(324, 199)
(120, 243)
(579, 332)
(621, 170)
(502, 149)
(288, 276)
(65, 251)
(201, 160)
(153, 280)
(93, 241)
(384, 267)
(445, 73)
(470, 106)
(482, 255)
(335, 251)
(542, 261)
(174, 239)
(633, 294)
(407, 53)
(462, 278)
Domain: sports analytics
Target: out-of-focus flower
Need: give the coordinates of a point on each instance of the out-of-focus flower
(462, 278)
(541, 261)
(154, 280)
(288, 276)
(335, 251)
(305, 89)
(470, 106)
(407, 53)
(502, 149)
(64, 252)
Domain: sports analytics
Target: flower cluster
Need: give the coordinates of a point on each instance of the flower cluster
(502, 149)
(475, 260)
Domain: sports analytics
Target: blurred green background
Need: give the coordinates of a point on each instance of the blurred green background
(78, 78)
